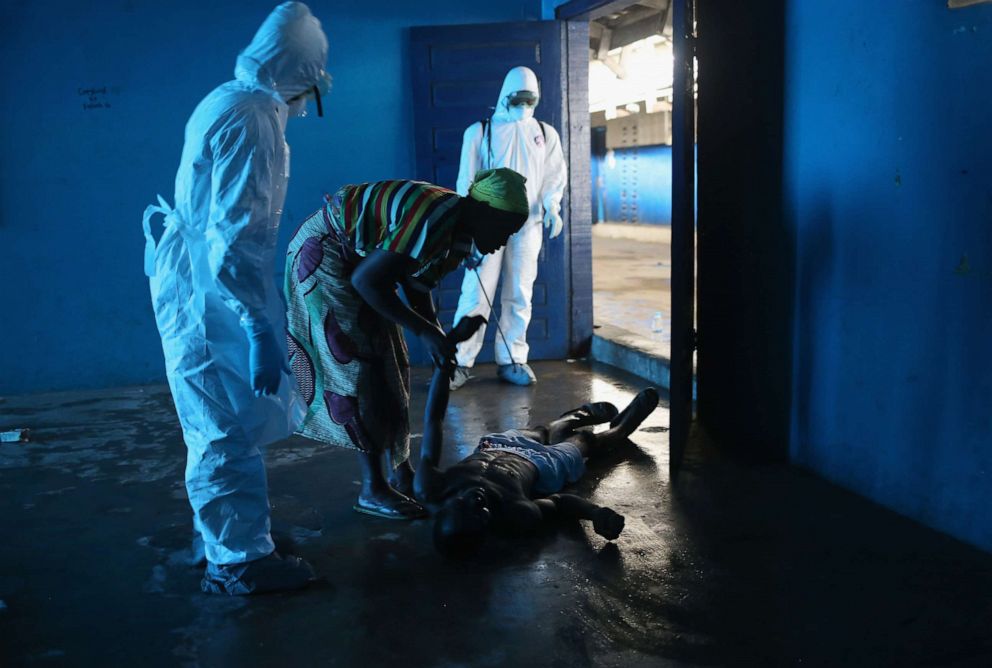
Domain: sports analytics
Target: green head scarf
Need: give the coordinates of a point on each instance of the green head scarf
(502, 189)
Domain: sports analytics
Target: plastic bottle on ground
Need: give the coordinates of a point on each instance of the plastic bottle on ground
(657, 322)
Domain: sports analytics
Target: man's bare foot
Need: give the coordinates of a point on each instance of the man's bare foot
(627, 422)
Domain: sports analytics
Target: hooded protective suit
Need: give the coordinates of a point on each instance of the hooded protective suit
(213, 285)
(519, 143)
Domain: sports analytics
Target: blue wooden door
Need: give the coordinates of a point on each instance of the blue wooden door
(458, 73)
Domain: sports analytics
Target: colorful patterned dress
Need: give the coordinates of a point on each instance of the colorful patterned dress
(350, 362)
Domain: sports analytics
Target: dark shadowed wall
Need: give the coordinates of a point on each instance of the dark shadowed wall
(888, 168)
(745, 247)
(845, 246)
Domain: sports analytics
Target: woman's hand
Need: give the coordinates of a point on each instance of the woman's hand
(441, 350)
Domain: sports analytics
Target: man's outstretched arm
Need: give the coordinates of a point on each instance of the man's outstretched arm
(427, 481)
(429, 477)
(606, 522)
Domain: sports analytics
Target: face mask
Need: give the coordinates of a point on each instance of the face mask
(521, 113)
(521, 104)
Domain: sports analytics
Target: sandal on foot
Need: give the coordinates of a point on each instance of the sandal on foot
(408, 509)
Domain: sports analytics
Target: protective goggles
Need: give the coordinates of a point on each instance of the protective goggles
(523, 98)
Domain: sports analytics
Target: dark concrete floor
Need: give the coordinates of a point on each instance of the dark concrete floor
(734, 565)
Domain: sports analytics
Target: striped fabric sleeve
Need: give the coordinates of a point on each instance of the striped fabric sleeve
(420, 221)
(408, 217)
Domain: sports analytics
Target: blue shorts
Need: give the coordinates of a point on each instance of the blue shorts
(557, 465)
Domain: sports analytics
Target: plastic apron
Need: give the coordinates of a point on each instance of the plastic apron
(224, 424)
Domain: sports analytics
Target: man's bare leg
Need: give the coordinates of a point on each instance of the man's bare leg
(624, 424)
(587, 415)
(567, 427)
(537, 432)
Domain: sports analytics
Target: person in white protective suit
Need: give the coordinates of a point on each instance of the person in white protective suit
(512, 138)
(217, 305)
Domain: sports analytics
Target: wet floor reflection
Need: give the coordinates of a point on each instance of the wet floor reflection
(714, 571)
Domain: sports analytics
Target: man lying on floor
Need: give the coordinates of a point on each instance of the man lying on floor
(512, 482)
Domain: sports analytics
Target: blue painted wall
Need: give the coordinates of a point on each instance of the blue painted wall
(548, 8)
(888, 172)
(633, 185)
(78, 167)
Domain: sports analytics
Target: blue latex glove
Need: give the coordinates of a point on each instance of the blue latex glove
(265, 361)
(553, 223)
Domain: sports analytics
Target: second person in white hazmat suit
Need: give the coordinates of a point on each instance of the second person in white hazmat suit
(512, 138)
(216, 304)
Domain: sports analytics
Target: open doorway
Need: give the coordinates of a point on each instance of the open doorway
(643, 56)
(631, 94)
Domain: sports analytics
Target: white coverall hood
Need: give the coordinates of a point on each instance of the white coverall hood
(287, 54)
(213, 291)
(533, 149)
(517, 79)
